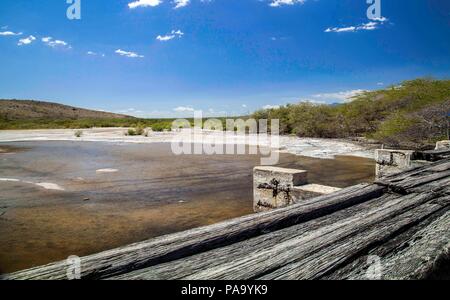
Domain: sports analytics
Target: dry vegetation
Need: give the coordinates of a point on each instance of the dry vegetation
(413, 115)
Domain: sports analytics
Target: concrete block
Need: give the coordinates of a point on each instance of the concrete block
(392, 161)
(442, 145)
(272, 186)
(309, 191)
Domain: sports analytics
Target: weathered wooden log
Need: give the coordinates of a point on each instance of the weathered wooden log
(414, 254)
(181, 268)
(433, 155)
(183, 244)
(411, 180)
(258, 256)
(337, 254)
(266, 260)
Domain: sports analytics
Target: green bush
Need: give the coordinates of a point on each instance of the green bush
(413, 114)
(78, 133)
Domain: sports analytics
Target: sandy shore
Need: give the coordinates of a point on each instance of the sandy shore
(311, 147)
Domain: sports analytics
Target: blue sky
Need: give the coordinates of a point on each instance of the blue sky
(163, 58)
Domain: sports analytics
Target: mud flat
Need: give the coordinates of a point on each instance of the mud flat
(62, 198)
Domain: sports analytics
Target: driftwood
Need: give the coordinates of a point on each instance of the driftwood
(258, 256)
(420, 179)
(433, 155)
(414, 254)
(402, 219)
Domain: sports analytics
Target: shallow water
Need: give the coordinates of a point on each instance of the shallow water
(115, 194)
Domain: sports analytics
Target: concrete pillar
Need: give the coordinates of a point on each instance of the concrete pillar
(272, 186)
(442, 145)
(309, 191)
(392, 161)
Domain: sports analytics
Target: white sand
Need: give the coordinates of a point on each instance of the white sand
(9, 180)
(107, 171)
(45, 185)
(50, 186)
(320, 148)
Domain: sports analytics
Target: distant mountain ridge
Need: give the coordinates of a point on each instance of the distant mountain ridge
(13, 110)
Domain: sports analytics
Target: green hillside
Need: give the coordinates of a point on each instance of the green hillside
(413, 114)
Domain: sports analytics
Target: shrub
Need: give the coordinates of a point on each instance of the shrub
(411, 115)
(136, 131)
(78, 133)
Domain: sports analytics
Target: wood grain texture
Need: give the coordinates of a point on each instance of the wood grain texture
(255, 257)
(419, 179)
(413, 254)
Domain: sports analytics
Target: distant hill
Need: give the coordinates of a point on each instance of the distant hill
(16, 110)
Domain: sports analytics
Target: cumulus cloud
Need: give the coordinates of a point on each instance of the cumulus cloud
(26, 41)
(344, 96)
(49, 41)
(144, 3)
(173, 34)
(183, 109)
(128, 54)
(372, 25)
(9, 33)
(181, 3)
(278, 3)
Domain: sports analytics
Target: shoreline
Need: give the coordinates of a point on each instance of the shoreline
(310, 147)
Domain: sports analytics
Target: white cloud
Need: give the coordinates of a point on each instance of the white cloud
(344, 96)
(278, 3)
(244, 105)
(92, 53)
(368, 26)
(374, 24)
(130, 111)
(271, 106)
(26, 41)
(128, 54)
(9, 33)
(183, 109)
(178, 32)
(49, 41)
(381, 19)
(173, 34)
(181, 3)
(342, 29)
(144, 3)
(165, 38)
